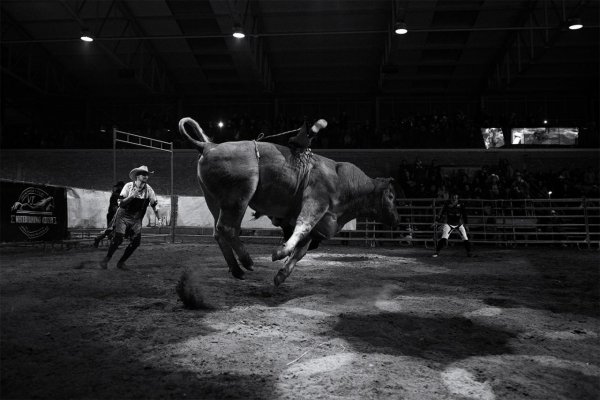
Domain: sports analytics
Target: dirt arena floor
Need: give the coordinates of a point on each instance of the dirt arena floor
(349, 323)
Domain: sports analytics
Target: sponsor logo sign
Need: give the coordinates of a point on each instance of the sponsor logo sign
(32, 212)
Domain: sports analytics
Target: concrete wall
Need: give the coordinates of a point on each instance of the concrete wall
(93, 169)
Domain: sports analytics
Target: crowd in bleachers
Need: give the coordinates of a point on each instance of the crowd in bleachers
(501, 181)
(435, 130)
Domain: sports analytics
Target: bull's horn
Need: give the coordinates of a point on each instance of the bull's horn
(320, 124)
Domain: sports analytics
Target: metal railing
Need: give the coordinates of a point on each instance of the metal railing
(504, 222)
(501, 222)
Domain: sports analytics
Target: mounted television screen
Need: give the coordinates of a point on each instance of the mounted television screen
(526, 135)
(563, 136)
(545, 136)
(492, 137)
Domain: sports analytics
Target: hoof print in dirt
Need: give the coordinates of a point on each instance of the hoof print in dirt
(189, 290)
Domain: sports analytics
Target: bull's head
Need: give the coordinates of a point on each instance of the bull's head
(388, 213)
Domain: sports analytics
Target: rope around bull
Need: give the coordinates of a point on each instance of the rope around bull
(262, 136)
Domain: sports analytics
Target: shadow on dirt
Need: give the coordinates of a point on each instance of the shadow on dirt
(110, 373)
(573, 294)
(439, 339)
(116, 359)
(347, 259)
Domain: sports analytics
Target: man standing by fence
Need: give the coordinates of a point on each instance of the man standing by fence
(453, 216)
(134, 199)
(113, 205)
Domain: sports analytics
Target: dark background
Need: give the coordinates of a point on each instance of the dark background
(463, 65)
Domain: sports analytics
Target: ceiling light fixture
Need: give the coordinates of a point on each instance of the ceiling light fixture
(238, 32)
(574, 24)
(400, 28)
(85, 35)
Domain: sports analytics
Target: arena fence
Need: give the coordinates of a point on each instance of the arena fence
(501, 222)
(564, 222)
(504, 222)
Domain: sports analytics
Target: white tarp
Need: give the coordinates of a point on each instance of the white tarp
(87, 209)
(193, 211)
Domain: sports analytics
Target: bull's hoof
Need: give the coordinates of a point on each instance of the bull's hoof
(248, 264)
(279, 278)
(237, 273)
(278, 254)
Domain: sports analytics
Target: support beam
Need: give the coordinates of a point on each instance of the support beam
(543, 25)
(387, 49)
(249, 55)
(150, 70)
(31, 64)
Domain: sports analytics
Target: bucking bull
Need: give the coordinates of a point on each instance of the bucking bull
(309, 196)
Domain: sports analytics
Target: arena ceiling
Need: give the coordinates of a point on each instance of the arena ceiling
(297, 48)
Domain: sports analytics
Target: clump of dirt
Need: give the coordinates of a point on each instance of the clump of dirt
(189, 290)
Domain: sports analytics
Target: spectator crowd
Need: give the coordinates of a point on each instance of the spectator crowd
(501, 181)
(424, 131)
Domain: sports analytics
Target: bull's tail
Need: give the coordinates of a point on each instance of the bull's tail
(197, 130)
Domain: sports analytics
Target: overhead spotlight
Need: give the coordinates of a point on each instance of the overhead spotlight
(221, 124)
(545, 122)
(574, 24)
(86, 36)
(400, 28)
(238, 32)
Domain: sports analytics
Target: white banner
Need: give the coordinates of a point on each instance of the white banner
(88, 208)
(193, 211)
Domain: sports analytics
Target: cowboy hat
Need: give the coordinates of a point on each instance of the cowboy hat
(136, 171)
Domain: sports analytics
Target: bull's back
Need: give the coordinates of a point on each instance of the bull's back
(234, 172)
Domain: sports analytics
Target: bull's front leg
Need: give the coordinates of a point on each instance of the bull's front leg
(312, 211)
(296, 256)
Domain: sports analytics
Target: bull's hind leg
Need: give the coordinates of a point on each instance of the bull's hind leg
(221, 238)
(242, 253)
(232, 213)
(296, 256)
(229, 224)
(228, 228)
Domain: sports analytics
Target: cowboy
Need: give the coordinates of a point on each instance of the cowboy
(302, 140)
(133, 201)
(113, 205)
(453, 216)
